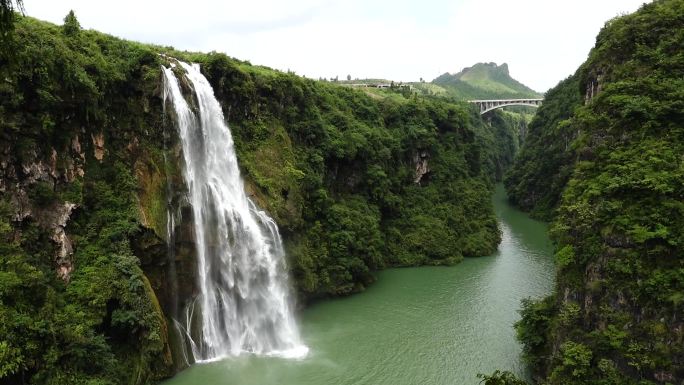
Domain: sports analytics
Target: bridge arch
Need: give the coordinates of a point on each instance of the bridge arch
(493, 104)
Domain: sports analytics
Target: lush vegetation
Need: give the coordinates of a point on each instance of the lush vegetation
(356, 182)
(616, 316)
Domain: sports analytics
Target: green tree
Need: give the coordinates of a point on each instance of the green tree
(7, 17)
(71, 25)
(7, 9)
(500, 378)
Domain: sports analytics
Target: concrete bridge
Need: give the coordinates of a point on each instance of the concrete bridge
(489, 105)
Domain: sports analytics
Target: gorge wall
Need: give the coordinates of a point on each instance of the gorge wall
(91, 187)
(603, 159)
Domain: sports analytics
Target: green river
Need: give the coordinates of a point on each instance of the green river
(427, 325)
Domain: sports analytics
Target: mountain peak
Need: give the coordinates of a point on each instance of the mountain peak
(491, 66)
(484, 80)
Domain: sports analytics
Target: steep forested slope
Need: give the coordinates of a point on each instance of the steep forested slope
(89, 171)
(616, 316)
(545, 162)
(75, 305)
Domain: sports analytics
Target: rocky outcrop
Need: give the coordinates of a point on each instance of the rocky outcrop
(54, 219)
(593, 86)
(34, 169)
(98, 145)
(29, 173)
(420, 161)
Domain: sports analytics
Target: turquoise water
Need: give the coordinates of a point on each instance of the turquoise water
(427, 325)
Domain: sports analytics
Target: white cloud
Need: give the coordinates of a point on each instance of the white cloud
(543, 41)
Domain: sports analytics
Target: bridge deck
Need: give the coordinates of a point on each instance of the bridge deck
(487, 105)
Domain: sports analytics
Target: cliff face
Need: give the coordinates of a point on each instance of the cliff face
(616, 316)
(89, 181)
(78, 119)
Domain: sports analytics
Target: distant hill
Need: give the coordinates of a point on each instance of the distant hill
(484, 81)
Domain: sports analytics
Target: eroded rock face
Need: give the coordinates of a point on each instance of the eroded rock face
(54, 219)
(7, 172)
(34, 167)
(19, 177)
(420, 160)
(99, 145)
(36, 170)
(74, 164)
(76, 147)
(593, 87)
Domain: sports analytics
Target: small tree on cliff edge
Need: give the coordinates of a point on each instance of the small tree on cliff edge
(7, 8)
(71, 25)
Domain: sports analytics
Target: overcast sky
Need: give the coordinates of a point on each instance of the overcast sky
(543, 41)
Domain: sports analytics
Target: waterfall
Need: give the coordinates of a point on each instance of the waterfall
(243, 303)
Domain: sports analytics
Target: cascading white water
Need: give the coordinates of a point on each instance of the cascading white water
(243, 304)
